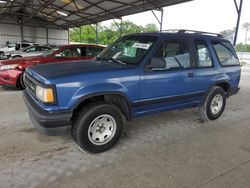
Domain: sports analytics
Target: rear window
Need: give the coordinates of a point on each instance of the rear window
(225, 53)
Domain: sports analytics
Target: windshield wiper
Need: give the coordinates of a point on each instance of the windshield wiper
(112, 59)
(116, 61)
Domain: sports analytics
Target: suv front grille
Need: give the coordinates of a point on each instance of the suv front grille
(30, 83)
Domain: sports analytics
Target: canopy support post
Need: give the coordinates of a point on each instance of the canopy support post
(159, 20)
(238, 10)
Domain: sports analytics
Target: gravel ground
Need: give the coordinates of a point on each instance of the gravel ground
(171, 149)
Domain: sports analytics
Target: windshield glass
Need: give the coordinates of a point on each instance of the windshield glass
(129, 50)
(24, 49)
(49, 52)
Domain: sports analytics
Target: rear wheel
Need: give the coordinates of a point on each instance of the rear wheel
(214, 105)
(97, 127)
(17, 56)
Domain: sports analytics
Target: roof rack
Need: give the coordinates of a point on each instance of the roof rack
(198, 32)
(192, 31)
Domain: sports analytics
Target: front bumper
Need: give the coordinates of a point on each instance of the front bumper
(9, 78)
(56, 123)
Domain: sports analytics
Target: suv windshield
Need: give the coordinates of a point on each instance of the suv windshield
(128, 50)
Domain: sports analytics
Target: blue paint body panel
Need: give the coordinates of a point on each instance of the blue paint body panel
(174, 89)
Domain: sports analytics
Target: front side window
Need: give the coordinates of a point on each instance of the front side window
(225, 53)
(65, 53)
(171, 55)
(76, 52)
(31, 49)
(204, 59)
(71, 52)
(128, 50)
(93, 51)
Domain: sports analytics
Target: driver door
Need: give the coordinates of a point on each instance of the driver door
(170, 81)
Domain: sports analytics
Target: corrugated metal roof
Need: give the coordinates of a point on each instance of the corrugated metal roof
(72, 13)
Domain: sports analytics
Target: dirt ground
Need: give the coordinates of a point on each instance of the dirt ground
(171, 149)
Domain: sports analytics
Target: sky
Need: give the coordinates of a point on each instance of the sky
(202, 15)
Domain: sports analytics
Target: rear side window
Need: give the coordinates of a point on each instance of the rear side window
(175, 55)
(225, 53)
(203, 56)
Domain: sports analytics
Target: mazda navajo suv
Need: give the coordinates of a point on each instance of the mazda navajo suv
(138, 75)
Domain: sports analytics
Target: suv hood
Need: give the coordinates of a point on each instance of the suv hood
(63, 69)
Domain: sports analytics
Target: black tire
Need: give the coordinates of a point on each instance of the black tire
(205, 111)
(82, 125)
(17, 56)
(20, 82)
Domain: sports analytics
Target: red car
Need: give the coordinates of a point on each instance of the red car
(11, 71)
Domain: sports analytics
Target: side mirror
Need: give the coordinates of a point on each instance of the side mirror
(157, 63)
(58, 55)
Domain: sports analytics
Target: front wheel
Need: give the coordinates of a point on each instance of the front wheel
(97, 127)
(20, 82)
(214, 104)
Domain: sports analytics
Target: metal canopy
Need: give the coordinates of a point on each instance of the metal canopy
(72, 13)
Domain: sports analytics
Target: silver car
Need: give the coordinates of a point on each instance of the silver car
(35, 50)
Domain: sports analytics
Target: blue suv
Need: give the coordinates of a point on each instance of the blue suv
(140, 74)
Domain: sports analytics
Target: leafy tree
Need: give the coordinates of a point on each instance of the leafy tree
(246, 26)
(107, 35)
(228, 34)
(243, 47)
(150, 28)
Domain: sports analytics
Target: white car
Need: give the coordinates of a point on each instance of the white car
(15, 46)
(35, 50)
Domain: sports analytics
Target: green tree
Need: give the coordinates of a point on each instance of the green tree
(107, 35)
(243, 47)
(246, 26)
(228, 34)
(85, 34)
(150, 28)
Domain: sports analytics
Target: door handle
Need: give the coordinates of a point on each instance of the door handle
(190, 74)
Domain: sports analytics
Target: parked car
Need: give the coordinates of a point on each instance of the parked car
(15, 46)
(35, 50)
(140, 74)
(11, 71)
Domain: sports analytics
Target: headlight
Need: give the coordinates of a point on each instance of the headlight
(7, 67)
(45, 94)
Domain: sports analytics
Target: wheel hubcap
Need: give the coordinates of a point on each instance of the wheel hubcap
(216, 104)
(102, 129)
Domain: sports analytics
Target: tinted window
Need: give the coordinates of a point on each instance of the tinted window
(204, 59)
(225, 53)
(25, 45)
(44, 48)
(66, 53)
(175, 55)
(93, 51)
(71, 52)
(76, 52)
